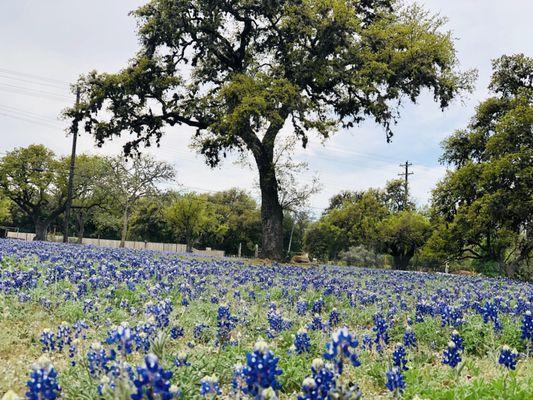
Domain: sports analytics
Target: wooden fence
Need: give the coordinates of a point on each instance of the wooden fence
(170, 247)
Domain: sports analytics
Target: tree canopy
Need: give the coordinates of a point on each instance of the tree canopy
(239, 71)
(485, 203)
(34, 179)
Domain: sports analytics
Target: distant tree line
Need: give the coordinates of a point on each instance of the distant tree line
(119, 199)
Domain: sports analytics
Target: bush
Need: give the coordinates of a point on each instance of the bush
(361, 256)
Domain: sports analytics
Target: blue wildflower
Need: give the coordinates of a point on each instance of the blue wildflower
(176, 332)
(320, 385)
(458, 340)
(181, 360)
(409, 337)
(210, 386)
(48, 340)
(395, 381)
(333, 318)
(261, 371)
(43, 384)
(302, 341)
(123, 337)
(152, 381)
(399, 358)
(451, 355)
(527, 326)
(341, 347)
(380, 328)
(508, 358)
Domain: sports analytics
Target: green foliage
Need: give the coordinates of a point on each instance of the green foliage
(402, 234)
(189, 217)
(35, 181)
(484, 206)
(5, 212)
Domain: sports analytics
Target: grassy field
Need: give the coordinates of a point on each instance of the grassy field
(172, 306)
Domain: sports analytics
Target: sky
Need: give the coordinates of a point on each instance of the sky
(46, 45)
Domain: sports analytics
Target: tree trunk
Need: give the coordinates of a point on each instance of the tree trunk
(271, 212)
(188, 246)
(124, 234)
(81, 225)
(41, 230)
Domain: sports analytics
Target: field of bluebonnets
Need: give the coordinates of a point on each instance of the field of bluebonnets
(91, 323)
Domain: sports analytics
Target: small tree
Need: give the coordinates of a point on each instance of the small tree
(35, 181)
(132, 180)
(402, 234)
(188, 216)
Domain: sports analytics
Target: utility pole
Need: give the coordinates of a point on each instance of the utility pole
(406, 182)
(71, 171)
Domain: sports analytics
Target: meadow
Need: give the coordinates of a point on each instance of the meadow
(90, 323)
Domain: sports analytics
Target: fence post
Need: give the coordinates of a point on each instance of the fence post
(256, 252)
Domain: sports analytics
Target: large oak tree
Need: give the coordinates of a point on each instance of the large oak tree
(239, 71)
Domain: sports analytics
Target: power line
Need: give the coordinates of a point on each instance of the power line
(6, 87)
(29, 114)
(33, 76)
(33, 121)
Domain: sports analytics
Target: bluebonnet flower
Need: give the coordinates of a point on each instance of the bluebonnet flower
(209, 385)
(451, 355)
(302, 341)
(261, 371)
(99, 359)
(316, 323)
(43, 384)
(181, 360)
(176, 332)
(320, 385)
(276, 322)
(333, 318)
(123, 337)
(225, 323)
(380, 328)
(79, 329)
(490, 313)
(238, 381)
(160, 311)
(342, 347)
(527, 326)
(399, 358)
(309, 390)
(395, 381)
(72, 353)
(198, 330)
(409, 337)
(301, 307)
(63, 336)
(458, 340)
(318, 305)
(152, 381)
(508, 358)
(48, 340)
(368, 342)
